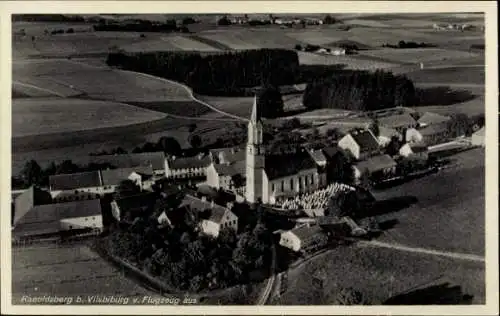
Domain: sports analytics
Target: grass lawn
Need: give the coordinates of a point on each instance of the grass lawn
(446, 217)
(380, 273)
(69, 270)
(51, 115)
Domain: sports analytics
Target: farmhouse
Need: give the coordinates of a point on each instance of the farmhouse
(414, 151)
(429, 118)
(226, 176)
(386, 134)
(477, 138)
(303, 238)
(219, 217)
(155, 160)
(361, 144)
(127, 208)
(50, 219)
(93, 184)
(381, 166)
(432, 134)
(187, 167)
(399, 122)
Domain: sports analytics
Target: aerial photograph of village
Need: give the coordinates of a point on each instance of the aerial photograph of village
(248, 159)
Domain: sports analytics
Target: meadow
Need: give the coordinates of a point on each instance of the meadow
(36, 116)
(451, 75)
(349, 61)
(417, 55)
(380, 273)
(96, 82)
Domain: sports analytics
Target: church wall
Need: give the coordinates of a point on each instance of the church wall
(282, 186)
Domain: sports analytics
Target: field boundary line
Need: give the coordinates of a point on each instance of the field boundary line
(39, 88)
(395, 246)
(190, 92)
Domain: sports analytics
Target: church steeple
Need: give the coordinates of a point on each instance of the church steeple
(255, 117)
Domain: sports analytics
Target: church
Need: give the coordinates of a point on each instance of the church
(267, 176)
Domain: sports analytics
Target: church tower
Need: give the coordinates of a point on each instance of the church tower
(255, 157)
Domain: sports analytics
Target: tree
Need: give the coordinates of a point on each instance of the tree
(192, 127)
(270, 101)
(459, 125)
(127, 188)
(195, 141)
(339, 169)
(188, 20)
(169, 145)
(298, 47)
(67, 167)
(224, 21)
(329, 20)
(31, 173)
(349, 296)
(393, 147)
(374, 128)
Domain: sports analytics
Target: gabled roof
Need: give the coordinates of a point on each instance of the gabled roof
(429, 118)
(397, 121)
(75, 181)
(432, 129)
(225, 170)
(154, 159)
(306, 232)
(317, 156)
(376, 163)
(278, 166)
(217, 214)
(189, 162)
(230, 154)
(47, 213)
(365, 140)
(388, 132)
(197, 204)
(331, 151)
(115, 176)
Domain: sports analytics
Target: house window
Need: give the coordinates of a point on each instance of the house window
(272, 187)
(70, 227)
(291, 183)
(282, 185)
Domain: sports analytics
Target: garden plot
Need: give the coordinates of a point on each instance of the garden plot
(52, 115)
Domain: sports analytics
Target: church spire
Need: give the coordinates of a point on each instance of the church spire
(255, 111)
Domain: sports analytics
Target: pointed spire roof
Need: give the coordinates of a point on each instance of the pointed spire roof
(255, 117)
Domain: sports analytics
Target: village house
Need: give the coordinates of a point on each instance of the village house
(377, 166)
(361, 144)
(187, 167)
(303, 238)
(429, 118)
(398, 122)
(51, 219)
(417, 151)
(127, 208)
(432, 134)
(23, 201)
(227, 155)
(386, 134)
(219, 218)
(155, 160)
(226, 176)
(94, 184)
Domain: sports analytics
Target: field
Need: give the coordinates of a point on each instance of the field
(451, 75)
(350, 62)
(38, 116)
(380, 273)
(417, 55)
(67, 271)
(67, 78)
(445, 218)
(166, 43)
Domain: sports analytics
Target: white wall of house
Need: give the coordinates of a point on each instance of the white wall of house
(348, 143)
(210, 228)
(212, 177)
(290, 241)
(94, 221)
(413, 136)
(383, 141)
(229, 221)
(115, 211)
(57, 194)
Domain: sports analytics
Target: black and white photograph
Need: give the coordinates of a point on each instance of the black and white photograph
(250, 159)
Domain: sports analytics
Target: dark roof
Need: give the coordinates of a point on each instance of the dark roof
(139, 202)
(197, 204)
(47, 213)
(365, 139)
(278, 166)
(397, 121)
(330, 152)
(305, 232)
(225, 169)
(189, 162)
(429, 118)
(376, 163)
(115, 176)
(154, 159)
(418, 148)
(75, 180)
(217, 214)
(432, 129)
